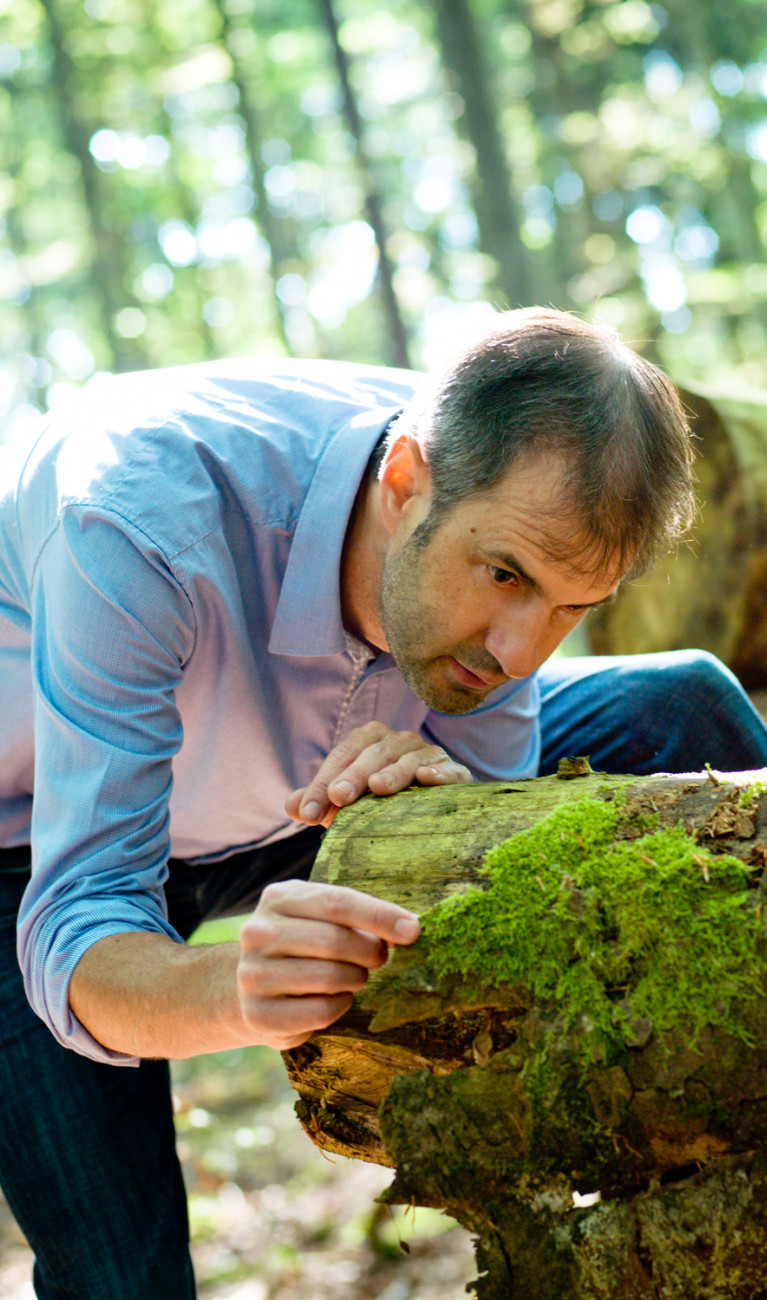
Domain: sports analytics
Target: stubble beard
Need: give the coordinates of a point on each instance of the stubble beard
(409, 623)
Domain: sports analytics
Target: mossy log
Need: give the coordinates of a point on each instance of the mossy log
(712, 594)
(497, 1097)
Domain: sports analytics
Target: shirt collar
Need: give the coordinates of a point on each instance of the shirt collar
(308, 618)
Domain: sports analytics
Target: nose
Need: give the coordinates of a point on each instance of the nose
(519, 640)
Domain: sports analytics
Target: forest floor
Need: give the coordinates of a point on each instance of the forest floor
(274, 1219)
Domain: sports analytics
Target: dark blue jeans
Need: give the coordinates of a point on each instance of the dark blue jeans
(87, 1155)
(87, 1151)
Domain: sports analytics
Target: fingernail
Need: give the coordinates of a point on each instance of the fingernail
(311, 810)
(407, 928)
(344, 788)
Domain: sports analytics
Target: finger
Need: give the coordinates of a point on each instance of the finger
(392, 761)
(271, 935)
(424, 767)
(449, 773)
(293, 805)
(312, 812)
(287, 1022)
(340, 905)
(314, 801)
(299, 977)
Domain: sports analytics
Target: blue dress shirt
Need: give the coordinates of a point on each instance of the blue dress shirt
(172, 658)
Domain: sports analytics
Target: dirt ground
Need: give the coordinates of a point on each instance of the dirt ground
(272, 1219)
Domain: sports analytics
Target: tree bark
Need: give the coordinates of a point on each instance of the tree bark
(398, 345)
(497, 215)
(439, 1078)
(711, 594)
(108, 276)
(271, 226)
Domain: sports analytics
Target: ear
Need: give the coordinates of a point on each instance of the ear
(404, 481)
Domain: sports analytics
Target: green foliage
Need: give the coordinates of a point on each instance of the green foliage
(749, 794)
(180, 181)
(606, 933)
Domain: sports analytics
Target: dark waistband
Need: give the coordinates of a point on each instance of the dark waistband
(15, 859)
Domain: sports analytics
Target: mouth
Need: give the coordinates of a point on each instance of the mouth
(474, 681)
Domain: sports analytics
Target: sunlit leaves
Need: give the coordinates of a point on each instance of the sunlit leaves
(229, 194)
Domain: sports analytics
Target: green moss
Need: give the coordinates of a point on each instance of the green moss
(750, 793)
(607, 932)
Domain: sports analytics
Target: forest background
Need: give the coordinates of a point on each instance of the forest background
(187, 179)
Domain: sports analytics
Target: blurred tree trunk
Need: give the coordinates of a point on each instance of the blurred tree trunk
(250, 112)
(437, 1076)
(700, 40)
(712, 594)
(497, 215)
(557, 92)
(109, 264)
(185, 202)
(398, 343)
(29, 311)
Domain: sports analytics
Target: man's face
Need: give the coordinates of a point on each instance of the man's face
(481, 602)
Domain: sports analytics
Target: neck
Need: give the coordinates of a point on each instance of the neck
(362, 567)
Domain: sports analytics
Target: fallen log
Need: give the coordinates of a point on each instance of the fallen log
(711, 594)
(585, 1013)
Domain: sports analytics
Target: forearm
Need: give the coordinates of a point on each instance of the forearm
(302, 955)
(144, 995)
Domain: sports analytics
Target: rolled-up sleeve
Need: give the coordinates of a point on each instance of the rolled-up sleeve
(501, 740)
(112, 630)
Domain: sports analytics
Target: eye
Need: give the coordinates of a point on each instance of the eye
(502, 577)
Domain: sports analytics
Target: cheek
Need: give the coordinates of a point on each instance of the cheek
(559, 629)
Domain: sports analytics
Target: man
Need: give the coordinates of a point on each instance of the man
(234, 599)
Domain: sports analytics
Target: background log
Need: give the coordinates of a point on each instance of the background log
(712, 594)
(439, 1077)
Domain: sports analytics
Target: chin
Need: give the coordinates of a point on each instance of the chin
(452, 699)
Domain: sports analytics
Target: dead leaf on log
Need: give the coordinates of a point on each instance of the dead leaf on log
(758, 855)
(730, 819)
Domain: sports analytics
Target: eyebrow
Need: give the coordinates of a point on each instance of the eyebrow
(505, 561)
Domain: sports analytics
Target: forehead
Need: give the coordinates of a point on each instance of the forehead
(531, 499)
(531, 516)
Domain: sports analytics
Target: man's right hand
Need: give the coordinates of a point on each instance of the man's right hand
(306, 950)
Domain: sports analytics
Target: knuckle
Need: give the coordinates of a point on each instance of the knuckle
(249, 982)
(258, 934)
(398, 745)
(270, 898)
(337, 978)
(330, 1006)
(335, 906)
(362, 737)
(277, 894)
(374, 730)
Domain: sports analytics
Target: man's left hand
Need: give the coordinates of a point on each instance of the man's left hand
(372, 758)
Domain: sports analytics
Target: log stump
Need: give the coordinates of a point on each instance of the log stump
(623, 1062)
(712, 594)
